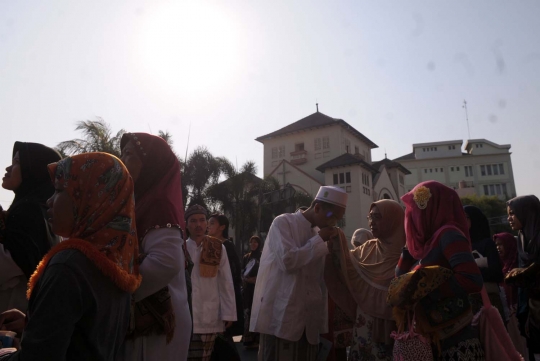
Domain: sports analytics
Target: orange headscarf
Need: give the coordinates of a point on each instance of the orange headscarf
(104, 209)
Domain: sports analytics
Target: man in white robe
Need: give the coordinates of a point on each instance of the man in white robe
(290, 302)
(214, 306)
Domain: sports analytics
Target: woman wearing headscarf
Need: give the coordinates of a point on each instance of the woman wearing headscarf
(524, 217)
(25, 236)
(360, 236)
(79, 306)
(162, 316)
(366, 273)
(507, 247)
(486, 257)
(250, 268)
(438, 235)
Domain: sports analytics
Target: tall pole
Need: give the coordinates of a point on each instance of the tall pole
(467, 117)
(187, 145)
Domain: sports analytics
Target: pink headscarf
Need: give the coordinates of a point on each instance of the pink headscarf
(431, 209)
(510, 259)
(158, 191)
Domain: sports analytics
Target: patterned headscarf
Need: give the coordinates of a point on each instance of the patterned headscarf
(104, 230)
(431, 209)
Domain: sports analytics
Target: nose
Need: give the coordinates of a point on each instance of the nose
(50, 202)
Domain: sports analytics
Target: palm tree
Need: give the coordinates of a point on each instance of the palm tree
(237, 197)
(200, 171)
(97, 137)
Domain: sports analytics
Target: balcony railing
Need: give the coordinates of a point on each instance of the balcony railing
(299, 157)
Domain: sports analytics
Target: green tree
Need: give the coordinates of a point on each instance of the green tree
(201, 170)
(97, 137)
(237, 197)
(493, 208)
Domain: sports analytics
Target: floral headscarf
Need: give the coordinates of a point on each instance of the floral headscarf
(104, 210)
(431, 209)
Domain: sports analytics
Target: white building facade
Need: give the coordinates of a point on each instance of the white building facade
(321, 150)
(482, 168)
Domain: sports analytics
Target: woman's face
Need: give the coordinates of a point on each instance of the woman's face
(377, 223)
(515, 223)
(253, 245)
(61, 213)
(214, 229)
(131, 160)
(13, 178)
(500, 246)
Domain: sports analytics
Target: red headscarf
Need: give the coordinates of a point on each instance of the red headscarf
(158, 190)
(103, 206)
(431, 209)
(510, 258)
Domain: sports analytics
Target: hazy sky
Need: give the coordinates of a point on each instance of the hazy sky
(398, 71)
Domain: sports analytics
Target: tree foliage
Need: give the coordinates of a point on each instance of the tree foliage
(493, 208)
(97, 137)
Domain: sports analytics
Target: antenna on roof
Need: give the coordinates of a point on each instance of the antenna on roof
(467, 117)
(317, 106)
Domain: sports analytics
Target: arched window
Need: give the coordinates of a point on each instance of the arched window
(387, 196)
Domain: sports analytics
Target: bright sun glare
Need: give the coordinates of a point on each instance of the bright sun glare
(188, 47)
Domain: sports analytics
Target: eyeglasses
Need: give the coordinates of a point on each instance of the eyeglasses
(374, 217)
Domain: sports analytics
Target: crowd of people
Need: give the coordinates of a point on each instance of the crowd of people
(100, 260)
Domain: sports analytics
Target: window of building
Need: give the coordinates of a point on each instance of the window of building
(451, 169)
(386, 196)
(274, 153)
(348, 177)
(488, 168)
(318, 144)
(492, 189)
(436, 170)
(298, 147)
(501, 168)
(326, 142)
(468, 171)
(498, 189)
(486, 190)
(503, 186)
(341, 178)
(326, 154)
(348, 189)
(425, 170)
(336, 178)
(282, 151)
(431, 170)
(483, 170)
(441, 170)
(435, 148)
(457, 168)
(495, 169)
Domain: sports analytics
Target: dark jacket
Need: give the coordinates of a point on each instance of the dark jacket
(75, 313)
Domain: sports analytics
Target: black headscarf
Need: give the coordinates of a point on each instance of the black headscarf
(27, 236)
(527, 210)
(479, 224)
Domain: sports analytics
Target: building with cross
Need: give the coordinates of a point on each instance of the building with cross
(321, 150)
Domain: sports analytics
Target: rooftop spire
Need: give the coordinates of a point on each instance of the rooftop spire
(317, 106)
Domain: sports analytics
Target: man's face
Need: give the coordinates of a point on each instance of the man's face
(329, 216)
(197, 225)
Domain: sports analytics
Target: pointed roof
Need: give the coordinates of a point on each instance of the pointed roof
(346, 160)
(316, 120)
(389, 164)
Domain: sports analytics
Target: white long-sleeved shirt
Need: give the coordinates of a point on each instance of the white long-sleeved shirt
(290, 295)
(212, 297)
(163, 266)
